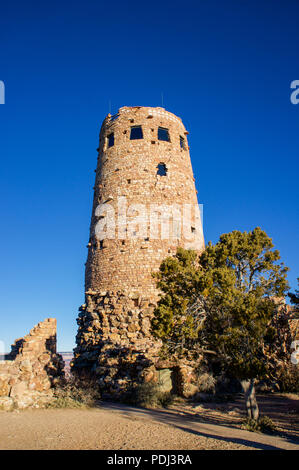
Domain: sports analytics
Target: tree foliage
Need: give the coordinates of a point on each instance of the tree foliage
(225, 302)
(222, 301)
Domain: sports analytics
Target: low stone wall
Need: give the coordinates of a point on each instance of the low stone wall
(31, 368)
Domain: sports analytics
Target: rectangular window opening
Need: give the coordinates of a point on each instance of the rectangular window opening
(163, 134)
(182, 143)
(110, 138)
(162, 169)
(136, 133)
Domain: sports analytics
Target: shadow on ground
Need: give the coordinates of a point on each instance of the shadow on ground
(222, 422)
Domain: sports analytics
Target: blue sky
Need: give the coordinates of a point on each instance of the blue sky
(224, 67)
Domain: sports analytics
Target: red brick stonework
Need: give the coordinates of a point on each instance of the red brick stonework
(114, 339)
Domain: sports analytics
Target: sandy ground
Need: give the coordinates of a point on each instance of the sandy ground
(118, 427)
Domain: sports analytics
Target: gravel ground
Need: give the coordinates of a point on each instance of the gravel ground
(95, 429)
(119, 427)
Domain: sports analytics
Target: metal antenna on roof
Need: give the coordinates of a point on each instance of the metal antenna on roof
(109, 106)
(162, 99)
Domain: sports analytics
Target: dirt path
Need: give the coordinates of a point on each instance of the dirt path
(117, 427)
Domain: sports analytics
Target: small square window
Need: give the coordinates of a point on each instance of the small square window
(162, 169)
(136, 133)
(182, 143)
(163, 134)
(110, 138)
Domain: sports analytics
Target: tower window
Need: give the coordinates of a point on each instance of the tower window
(136, 133)
(163, 134)
(162, 169)
(182, 143)
(110, 138)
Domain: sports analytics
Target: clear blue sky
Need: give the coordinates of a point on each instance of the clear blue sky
(225, 68)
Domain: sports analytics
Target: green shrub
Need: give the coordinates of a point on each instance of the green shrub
(264, 425)
(165, 399)
(149, 395)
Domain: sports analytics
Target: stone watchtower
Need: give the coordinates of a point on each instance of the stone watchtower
(145, 206)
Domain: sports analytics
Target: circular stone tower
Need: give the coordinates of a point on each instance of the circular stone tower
(145, 206)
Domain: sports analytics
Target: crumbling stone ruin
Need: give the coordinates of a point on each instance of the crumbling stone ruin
(143, 164)
(31, 368)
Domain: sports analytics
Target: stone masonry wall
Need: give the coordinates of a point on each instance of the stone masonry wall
(115, 344)
(129, 169)
(294, 325)
(114, 339)
(31, 368)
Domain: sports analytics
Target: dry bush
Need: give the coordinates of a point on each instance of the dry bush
(75, 393)
(206, 383)
(288, 379)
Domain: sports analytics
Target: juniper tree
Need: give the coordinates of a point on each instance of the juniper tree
(222, 303)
